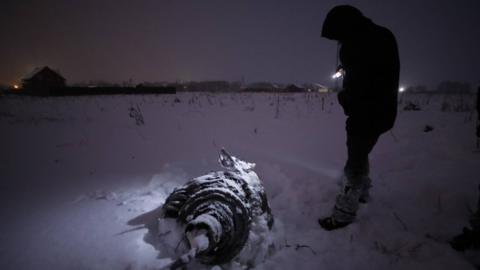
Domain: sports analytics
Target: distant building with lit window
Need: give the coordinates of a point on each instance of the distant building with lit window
(43, 80)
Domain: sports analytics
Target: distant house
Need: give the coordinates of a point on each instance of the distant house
(207, 86)
(316, 87)
(262, 87)
(294, 88)
(43, 80)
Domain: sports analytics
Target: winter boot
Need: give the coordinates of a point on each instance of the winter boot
(364, 182)
(365, 193)
(330, 224)
(344, 212)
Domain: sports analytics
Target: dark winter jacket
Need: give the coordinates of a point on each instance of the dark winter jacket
(478, 111)
(478, 102)
(369, 56)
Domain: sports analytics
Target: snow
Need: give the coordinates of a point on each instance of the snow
(212, 223)
(81, 181)
(199, 241)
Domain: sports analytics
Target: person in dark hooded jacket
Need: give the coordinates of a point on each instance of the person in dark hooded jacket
(370, 60)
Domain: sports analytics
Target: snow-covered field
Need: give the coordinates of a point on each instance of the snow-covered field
(80, 175)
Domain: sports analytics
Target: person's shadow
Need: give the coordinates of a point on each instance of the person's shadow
(149, 221)
(163, 234)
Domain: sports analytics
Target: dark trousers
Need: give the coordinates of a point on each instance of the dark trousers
(360, 142)
(361, 138)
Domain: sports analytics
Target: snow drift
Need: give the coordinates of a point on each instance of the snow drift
(81, 179)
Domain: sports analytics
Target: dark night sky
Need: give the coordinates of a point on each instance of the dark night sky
(115, 40)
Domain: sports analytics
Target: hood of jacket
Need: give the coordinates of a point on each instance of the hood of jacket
(344, 22)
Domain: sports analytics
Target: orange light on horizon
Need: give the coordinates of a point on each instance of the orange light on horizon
(16, 87)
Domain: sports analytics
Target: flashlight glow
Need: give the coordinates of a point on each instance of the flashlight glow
(16, 87)
(337, 75)
(401, 89)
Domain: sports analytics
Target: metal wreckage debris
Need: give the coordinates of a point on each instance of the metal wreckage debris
(470, 237)
(217, 210)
